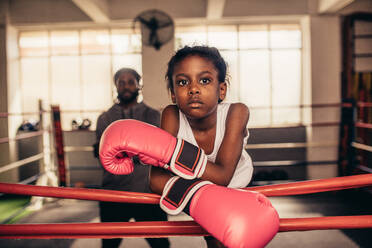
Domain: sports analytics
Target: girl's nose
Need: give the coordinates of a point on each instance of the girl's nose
(193, 89)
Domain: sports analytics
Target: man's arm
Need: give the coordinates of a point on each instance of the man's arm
(152, 116)
(102, 123)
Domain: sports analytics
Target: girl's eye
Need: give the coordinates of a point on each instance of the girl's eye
(205, 81)
(182, 82)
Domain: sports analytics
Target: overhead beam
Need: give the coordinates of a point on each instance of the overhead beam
(95, 9)
(215, 9)
(331, 6)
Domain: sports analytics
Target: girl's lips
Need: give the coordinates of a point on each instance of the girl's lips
(194, 103)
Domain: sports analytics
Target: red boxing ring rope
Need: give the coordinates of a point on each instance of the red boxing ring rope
(315, 186)
(174, 228)
(159, 229)
(296, 188)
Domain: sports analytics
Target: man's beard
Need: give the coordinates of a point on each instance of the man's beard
(129, 99)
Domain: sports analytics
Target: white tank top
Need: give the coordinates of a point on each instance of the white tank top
(243, 172)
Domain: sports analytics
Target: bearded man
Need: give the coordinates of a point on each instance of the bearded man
(127, 83)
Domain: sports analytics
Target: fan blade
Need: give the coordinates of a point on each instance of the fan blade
(164, 25)
(143, 21)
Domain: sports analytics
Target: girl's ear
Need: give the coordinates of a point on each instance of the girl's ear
(223, 90)
(173, 97)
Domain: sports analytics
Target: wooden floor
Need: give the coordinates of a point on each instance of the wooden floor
(350, 202)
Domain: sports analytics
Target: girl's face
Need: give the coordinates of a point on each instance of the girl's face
(196, 87)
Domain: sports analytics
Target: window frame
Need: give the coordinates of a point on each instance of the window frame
(271, 108)
(113, 57)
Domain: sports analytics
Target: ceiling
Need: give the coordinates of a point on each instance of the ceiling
(107, 12)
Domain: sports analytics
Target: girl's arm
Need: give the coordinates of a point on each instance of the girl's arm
(231, 147)
(170, 123)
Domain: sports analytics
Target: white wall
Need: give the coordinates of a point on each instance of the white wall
(325, 88)
(154, 66)
(14, 94)
(7, 153)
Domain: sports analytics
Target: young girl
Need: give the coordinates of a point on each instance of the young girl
(207, 154)
(197, 81)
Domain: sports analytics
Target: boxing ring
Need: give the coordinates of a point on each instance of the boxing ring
(170, 228)
(174, 228)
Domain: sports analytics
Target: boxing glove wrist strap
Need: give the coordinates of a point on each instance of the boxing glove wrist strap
(177, 194)
(188, 161)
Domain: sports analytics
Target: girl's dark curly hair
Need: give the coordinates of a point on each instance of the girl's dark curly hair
(210, 53)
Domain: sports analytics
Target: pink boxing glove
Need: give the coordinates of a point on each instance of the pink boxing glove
(124, 139)
(237, 218)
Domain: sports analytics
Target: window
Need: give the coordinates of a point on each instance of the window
(264, 64)
(74, 69)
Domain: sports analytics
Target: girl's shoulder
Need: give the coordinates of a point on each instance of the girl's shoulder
(239, 106)
(238, 111)
(170, 113)
(170, 119)
(171, 108)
